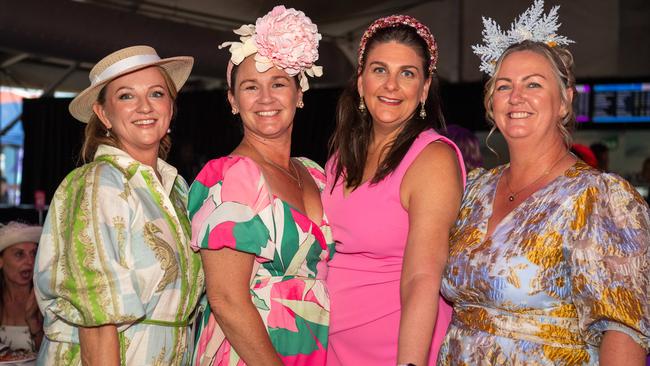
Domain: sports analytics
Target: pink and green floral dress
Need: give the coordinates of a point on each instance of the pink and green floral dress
(231, 207)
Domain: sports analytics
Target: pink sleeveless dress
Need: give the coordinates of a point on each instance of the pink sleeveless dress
(370, 227)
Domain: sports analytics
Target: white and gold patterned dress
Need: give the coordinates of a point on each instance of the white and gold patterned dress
(566, 265)
(115, 250)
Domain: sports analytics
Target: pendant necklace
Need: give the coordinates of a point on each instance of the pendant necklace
(513, 195)
(294, 176)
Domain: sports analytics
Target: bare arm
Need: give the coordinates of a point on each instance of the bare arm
(99, 346)
(617, 348)
(431, 192)
(227, 276)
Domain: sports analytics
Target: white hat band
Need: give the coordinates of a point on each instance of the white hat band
(120, 66)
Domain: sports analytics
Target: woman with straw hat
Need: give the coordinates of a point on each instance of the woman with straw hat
(114, 275)
(21, 324)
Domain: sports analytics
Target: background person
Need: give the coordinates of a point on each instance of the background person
(21, 323)
(468, 144)
(390, 223)
(115, 276)
(585, 154)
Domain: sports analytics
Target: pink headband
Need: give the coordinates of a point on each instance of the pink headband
(394, 21)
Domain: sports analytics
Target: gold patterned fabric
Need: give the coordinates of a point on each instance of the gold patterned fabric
(566, 265)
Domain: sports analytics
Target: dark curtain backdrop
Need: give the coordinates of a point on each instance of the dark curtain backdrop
(52, 142)
(203, 129)
(462, 105)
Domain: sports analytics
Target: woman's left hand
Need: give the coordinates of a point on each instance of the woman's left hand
(432, 210)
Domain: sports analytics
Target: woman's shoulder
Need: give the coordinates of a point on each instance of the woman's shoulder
(314, 169)
(231, 167)
(606, 186)
(443, 148)
(96, 172)
(230, 178)
(91, 181)
(422, 148)
(481, 178)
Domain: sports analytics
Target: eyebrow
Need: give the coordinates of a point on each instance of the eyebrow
(401, 67)
(130, 88)
(272, 78)
(525, 78)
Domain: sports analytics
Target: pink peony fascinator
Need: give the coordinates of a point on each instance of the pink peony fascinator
(284, 38)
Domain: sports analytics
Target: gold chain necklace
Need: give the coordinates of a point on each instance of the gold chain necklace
(512, 195)
(295, 176)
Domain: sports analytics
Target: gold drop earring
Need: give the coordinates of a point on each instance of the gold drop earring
(362, 105)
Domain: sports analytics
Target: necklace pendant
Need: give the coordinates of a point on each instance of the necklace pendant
(511, 198)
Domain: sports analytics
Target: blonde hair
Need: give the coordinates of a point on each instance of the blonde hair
(95, 132)
(561, 61)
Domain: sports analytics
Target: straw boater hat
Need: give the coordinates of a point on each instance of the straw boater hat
(121, 63)
(16, 232)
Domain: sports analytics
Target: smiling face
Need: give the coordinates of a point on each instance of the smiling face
(393, 83)
(138, 108)
(17, 263)
(266, 100)
(527, 101)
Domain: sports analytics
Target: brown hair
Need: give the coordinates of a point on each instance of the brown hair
(353, 131)
(95, 132)
(561, 61)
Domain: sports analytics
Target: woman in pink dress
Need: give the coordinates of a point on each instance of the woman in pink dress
(257, 211)
(393, 191)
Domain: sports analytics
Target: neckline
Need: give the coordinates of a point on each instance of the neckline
(510, 214)
(343, 188)
(422, 136)
(323, 218)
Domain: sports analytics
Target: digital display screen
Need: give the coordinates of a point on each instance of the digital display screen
(581, 102)
(621, 103)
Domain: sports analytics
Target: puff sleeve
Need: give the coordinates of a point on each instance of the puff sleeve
(81, 275)
(609, 261)
(230, 207)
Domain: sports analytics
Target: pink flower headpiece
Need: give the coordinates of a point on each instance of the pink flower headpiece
(284, 38)
(394, 21)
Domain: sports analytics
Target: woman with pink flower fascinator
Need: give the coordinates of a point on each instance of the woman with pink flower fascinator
(256, 214)
(393, 190)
